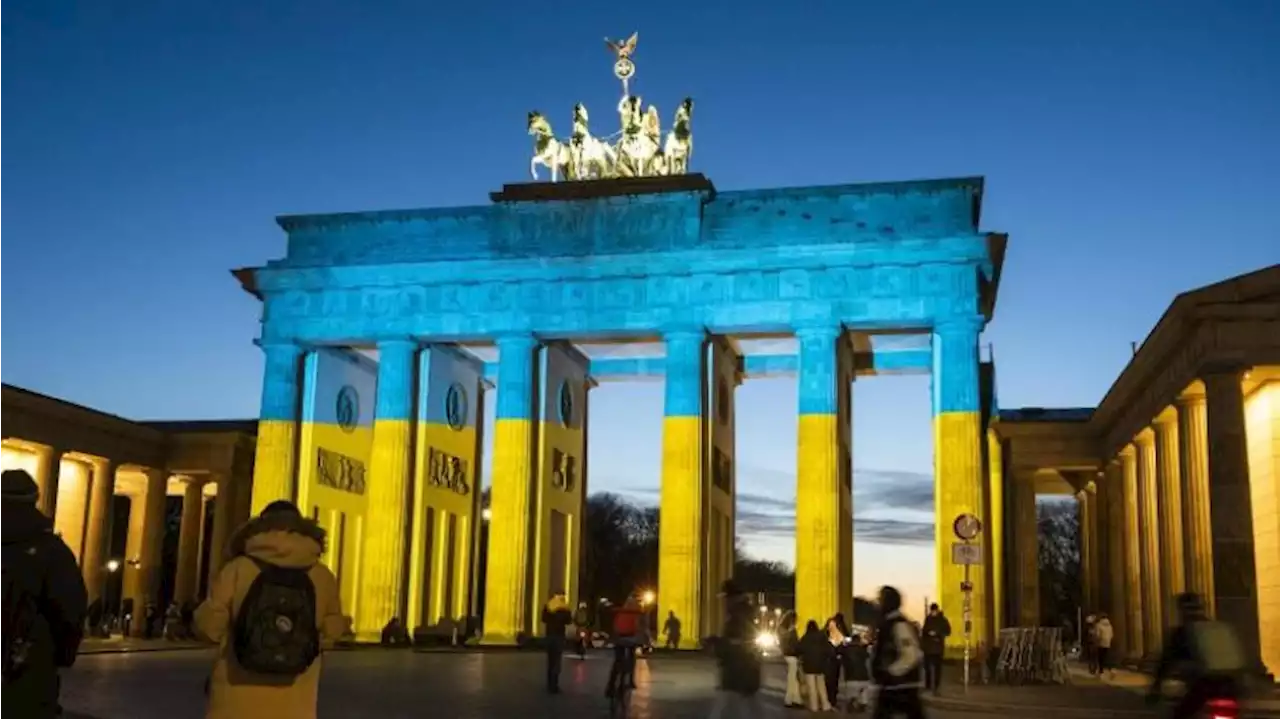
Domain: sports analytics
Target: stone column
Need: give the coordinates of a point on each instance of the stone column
(48, 470)
(1172, 577)
(275, 461)
(1101, 545)
(1149, 543)
(957, 452)
(1235, 581)
(1087, 565)
(510, 549)
(185, 581)
(681, 539)
(146, 535)
(383, 557)
(1132, 554)
(819, 545)
(223, 506)
(1193, 459)
(97, 538)
(1117, 589)
(1026, 547)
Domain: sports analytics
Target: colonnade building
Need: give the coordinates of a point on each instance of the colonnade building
(1177, 474)
(103, 477)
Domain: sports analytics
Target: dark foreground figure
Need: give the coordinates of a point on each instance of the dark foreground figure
(1206, 655)
(896, 661)
(44, 603)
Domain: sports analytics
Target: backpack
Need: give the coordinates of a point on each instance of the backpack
(22, 564)
(626, 623)
(276, 630)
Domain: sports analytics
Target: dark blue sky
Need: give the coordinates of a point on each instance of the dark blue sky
(1130, 149)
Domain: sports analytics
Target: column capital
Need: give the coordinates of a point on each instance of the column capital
(1129, 451)
(683, 333)
(1190, 398)
(516, 341)
(1223, 371)
(819, 333)
(398, 344)
(280, 347)
(1145, 437)
(967, 324)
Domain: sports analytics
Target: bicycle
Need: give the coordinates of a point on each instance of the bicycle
(622, 677)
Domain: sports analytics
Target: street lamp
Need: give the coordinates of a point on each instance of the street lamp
(486, 514)
(648, 597)
(112, 566)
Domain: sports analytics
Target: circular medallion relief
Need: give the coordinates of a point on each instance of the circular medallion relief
(455, 407)
(347, 408)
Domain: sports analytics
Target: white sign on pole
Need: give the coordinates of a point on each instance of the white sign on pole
(966, 554)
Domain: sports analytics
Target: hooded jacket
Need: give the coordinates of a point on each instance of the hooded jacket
(52, 578)
(284, 541)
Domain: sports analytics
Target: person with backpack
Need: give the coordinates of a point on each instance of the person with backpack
(272, 609)
(629, 629)
(896, 660)
(44, 602)
(1205, 654)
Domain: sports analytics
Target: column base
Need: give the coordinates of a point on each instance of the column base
(500, 640)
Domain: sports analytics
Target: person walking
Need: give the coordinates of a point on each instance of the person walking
(271, 610)
(1088, 648)
(934, 642)
(816, 655)
(789, 645)
(896, 661)
(44, 602)
(739, 660)
(556, 617)
(671, 628)
(1102, 637)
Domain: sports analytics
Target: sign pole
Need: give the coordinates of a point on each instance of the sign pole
(968, 608)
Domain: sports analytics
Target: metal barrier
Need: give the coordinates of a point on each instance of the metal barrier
(1032, 655)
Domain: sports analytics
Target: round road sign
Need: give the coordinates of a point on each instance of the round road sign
(967, 527)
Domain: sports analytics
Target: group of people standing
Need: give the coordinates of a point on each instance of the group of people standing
(890, 659)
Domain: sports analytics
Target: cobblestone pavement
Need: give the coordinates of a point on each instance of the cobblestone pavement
(394, 684)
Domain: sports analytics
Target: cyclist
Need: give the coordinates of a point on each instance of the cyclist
(629, 631)
(582, 620)
(1206, 654)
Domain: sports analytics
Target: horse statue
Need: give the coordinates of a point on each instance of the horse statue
(680, 140)
(637, 148)
(547, 150)
(589, 157)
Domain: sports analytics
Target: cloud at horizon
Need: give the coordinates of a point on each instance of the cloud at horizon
(887, 505)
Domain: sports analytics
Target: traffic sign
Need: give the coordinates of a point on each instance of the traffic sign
(967, 527)
(966, 554)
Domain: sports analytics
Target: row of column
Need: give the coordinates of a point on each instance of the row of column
(141, 564)
(696, 497)
(1173, 514)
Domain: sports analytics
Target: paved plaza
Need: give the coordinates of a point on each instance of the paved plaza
(393, 684)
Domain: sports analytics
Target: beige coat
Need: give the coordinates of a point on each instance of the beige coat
(235, 693)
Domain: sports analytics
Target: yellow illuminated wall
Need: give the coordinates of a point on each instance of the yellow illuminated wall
(446, 486)
(334, 455)
(1262, 427)
(719, 477)
(560, 478)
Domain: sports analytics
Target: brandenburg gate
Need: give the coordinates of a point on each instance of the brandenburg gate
(373, 383)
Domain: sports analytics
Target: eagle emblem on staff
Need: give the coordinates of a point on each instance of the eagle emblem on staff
(635, 150)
